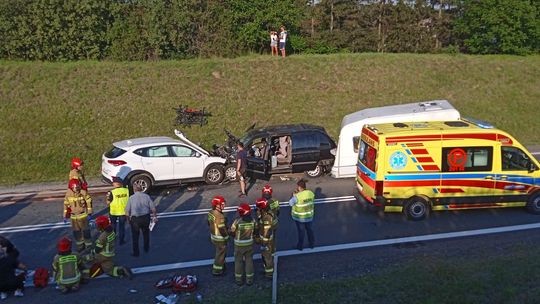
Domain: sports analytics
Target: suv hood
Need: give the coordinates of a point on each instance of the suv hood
(188, 142)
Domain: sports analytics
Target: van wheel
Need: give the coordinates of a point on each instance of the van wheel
(315, 172)
(417, 208)
(533, 204)
(141, 180)
(214, 174)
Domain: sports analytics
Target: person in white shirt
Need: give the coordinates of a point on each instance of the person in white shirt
(282, 40)
(273, 42)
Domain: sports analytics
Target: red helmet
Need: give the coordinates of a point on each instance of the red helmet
(76, 162)
(102, 222)
(267, 192)
(218, 200)
(244, 209)
(261, 203)
(64, 245)
(74, 182)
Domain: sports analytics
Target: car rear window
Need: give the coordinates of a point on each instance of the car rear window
(114, 152)
(367, 155)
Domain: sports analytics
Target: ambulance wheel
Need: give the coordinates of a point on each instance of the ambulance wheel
(417, 208)
(533, 205)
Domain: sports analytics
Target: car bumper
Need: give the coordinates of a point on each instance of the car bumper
(106, 180)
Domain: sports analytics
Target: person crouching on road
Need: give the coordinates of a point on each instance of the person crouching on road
(78, 208)
(274, 208)
(243, 229)
(302, 211)
(265, 235)
(77, 173)
(217, 223)
(103, 252)
(67, 267)
(138, 209)
(117, 200)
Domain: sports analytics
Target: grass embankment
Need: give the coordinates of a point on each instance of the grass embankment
(505, 278)
(50, 112)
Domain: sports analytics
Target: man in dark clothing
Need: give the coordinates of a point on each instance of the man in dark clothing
(9, 282)
(241, 165)
(140, 211)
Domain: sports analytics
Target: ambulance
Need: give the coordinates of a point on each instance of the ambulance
(417, 167)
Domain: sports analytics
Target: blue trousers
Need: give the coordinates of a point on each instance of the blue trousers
(302, 228)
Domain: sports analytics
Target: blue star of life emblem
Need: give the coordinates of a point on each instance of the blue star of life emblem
(398, 160)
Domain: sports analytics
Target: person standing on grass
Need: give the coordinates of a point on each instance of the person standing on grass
(241, 166)
(274, 42)
(138, 210)
(282, 40)
(302, 211)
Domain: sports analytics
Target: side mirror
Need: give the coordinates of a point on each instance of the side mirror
(197, 154)
(532, 167)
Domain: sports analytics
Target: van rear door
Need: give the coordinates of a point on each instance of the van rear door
(367, 163)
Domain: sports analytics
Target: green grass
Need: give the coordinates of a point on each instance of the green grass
(50, 112)
(509, 277)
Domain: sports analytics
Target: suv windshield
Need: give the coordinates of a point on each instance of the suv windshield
(367, 155)
(114, 152)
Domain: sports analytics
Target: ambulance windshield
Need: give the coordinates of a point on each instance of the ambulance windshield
(367, 155)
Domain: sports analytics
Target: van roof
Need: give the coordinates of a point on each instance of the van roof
(402, 112)
(430, 126)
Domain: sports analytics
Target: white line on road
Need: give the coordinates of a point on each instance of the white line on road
(535, 153)
(172, 214)
(427, 237)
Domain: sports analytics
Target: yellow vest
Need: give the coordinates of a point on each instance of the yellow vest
(303, 210)
(119, 201)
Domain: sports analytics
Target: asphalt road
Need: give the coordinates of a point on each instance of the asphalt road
(184, 237)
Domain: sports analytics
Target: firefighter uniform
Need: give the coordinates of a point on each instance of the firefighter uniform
(79, 175)
(67, 272)
(266, 237)
(118, 198)
(80, 205)
(104, 253)
(243, 229)
(219, 237)
(274, 209)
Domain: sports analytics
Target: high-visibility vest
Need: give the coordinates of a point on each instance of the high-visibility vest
(274, 207)
(304, 207)
(105, 242)
(68, 269)
(120, 198)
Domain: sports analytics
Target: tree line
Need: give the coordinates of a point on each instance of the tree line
(63, 30)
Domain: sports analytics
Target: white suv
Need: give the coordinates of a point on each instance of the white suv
(155, 161)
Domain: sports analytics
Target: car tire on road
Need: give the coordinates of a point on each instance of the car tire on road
(214, 174)
(417, 208)
(318, 171)
(533, 204)
(230, 172)
(142, 180)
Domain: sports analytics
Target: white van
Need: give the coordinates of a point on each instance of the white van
(351, 127)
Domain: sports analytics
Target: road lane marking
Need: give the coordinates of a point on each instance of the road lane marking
(357, 245)
(172, 214)
(535, 153)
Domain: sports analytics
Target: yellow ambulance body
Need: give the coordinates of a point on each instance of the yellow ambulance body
(447, 165)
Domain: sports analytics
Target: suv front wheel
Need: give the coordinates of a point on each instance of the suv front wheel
(318, 171)
(214, 174)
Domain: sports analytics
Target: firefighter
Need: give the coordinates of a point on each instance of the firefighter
(66, 266)
(265, 235)
(243, 229)
(77, 173)
(218, 234)
(274, 208)
(78, 208)
(117, 200)
(103, 252)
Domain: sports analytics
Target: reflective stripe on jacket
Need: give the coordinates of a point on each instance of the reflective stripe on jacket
(120, 198)
(105, 243)
(243, 232)
(303, 210)
(66, 268)
(80, 204)
(217, 223)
